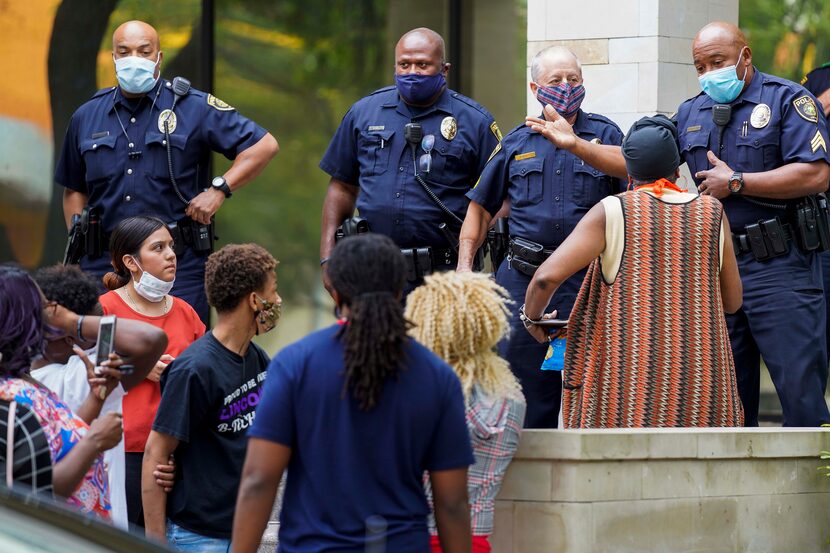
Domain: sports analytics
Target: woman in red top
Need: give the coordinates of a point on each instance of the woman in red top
(145, 269)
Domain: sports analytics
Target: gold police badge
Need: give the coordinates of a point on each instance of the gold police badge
(170, 117)
(806, 108)
(449, 128)
(218, 104)
(761, 114)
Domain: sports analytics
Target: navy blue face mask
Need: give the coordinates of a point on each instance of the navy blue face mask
(419, 89)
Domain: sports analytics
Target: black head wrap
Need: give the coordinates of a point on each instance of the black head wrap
(650, 149)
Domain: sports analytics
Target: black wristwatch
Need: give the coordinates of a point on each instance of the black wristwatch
(736, 182)
(219, 183)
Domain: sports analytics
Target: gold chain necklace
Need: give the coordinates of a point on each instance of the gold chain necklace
(138, 309)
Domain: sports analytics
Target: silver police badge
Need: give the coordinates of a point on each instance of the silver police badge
(760, 117)
(170, 117)
(449, 128)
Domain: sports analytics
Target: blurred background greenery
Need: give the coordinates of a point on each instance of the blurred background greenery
(788, 37)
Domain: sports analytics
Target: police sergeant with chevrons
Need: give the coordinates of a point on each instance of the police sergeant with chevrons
(757, 143)
(114, 160)
(405, 156)
(548, 190)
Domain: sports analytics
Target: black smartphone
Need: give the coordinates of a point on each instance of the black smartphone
(552, 323)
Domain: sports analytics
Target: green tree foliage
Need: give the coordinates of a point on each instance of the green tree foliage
(295, 67)
(788, 37)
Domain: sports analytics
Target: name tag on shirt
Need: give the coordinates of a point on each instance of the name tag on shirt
(693, 128)
(376, 127)
(526, 155)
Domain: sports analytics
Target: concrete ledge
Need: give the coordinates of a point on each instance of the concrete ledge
(659, 490)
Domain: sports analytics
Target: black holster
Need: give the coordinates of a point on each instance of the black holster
(498, 239)
(351, 227)
(811, 226)
(525, 255)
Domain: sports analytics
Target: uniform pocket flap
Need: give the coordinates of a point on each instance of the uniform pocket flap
(527, 166)
(758, 140)
(692, 140)
(93, 144)
(176, 140)
(582, 167)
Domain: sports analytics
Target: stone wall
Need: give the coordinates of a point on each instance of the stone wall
(665, 490)
(636, 54)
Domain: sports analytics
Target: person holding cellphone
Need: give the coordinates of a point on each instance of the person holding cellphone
(69, 361)
(648, 344)
(144, 270)
(76, 448)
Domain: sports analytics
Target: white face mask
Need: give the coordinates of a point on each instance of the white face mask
(152, 288)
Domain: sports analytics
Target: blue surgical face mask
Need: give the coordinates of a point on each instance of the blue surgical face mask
(419, 89)
(723, 85)
(136, 75)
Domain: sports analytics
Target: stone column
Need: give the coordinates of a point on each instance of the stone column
(636, 54)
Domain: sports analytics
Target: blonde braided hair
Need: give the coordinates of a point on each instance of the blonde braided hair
(461, 317)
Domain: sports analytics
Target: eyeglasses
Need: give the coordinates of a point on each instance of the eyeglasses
(425, 161)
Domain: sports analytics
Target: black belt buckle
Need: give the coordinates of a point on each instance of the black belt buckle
(776, 240)
(757, 242)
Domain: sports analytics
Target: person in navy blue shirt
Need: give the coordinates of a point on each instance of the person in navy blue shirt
(357, 412)
(771, 153)
(548, 190)
(114, 156)
(372, 166)
(817, 82)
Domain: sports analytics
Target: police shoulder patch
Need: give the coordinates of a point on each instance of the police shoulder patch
(495, 129)
(496, 150)
(806, 108)
(218, 104)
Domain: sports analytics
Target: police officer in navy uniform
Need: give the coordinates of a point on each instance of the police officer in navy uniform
(115, 157)
(548, 191)
(817, 82)
(769, 152)
(373, 166)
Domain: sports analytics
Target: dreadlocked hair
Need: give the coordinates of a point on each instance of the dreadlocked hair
(461, 317)
(368, 273)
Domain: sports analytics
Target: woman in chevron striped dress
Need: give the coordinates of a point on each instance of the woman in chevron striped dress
(647, 338)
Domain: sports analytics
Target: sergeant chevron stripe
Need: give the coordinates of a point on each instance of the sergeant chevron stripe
(818, 142)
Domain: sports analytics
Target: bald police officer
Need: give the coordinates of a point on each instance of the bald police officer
(548, 191)
(817, 82)
(115, 158)
(407, 182)
(760, 153)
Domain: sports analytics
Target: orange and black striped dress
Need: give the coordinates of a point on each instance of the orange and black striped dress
(651, 349)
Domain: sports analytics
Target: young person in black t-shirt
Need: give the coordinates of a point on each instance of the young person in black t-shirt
(208, 399)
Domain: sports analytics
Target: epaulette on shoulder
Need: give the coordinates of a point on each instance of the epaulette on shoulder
(384, 89)
(472, 103)
(516, 129)
(102, 92)
(602, 119)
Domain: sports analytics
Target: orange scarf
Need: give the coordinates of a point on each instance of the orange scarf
(657, 187)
